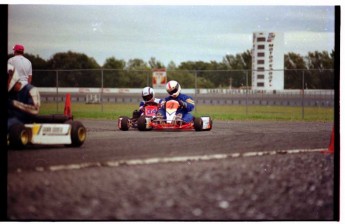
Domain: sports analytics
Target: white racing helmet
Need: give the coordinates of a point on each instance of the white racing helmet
(148, 94)
(12, 75)
(173, 88)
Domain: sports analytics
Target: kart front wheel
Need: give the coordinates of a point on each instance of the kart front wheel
(123, 123)
(19, 136)
(142, 124)
(78, 133)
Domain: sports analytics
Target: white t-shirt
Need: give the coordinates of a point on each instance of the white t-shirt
(23, 67)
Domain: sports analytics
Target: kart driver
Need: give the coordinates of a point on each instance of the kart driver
(148, 95)
(186, 102)
(23, 100)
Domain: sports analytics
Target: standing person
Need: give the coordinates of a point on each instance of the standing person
(186, 102)
(22, 65)
(23, 102)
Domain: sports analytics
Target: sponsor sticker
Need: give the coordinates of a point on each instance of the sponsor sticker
(55, 130)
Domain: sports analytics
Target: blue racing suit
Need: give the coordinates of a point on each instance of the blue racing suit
(188, 106)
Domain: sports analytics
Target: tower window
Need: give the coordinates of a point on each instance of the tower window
(261, 47)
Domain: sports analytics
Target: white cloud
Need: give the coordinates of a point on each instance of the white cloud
(169, 33)
(304, 42)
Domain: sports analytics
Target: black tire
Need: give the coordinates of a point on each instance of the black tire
(19, 136)
(198, 123)
(78, 133)
(142, 124)
(123, 123)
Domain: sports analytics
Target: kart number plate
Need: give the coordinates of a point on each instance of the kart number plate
(55, 129)
(150, 110)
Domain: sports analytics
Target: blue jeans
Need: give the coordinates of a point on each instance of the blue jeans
(12, 121)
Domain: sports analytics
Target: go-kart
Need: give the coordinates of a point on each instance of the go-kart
(150, 110)
(47, 130)
(150, 120)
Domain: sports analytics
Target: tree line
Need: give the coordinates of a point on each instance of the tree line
(314, 70)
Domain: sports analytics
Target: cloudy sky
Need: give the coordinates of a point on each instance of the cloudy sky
(166, 32)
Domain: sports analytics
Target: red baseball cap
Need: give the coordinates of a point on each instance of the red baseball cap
(18, 47)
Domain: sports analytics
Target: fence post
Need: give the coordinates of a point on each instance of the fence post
(302, 95)
(195, 88)
(57, 91)
(247, 93)
(102, 89)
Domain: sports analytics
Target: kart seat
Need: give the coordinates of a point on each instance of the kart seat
(52, 118)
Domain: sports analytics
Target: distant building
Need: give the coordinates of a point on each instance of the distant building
(268, 61)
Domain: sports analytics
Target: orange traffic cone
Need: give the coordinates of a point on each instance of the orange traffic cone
(331, 144)
(68, 110)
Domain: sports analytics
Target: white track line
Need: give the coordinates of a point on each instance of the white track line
(169, 160)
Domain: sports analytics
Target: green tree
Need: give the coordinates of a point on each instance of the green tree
(319, 75)
(137, 64)
(204, 77)
(74, 73)
(113, 73)
(138, 73)
(184, 77)
(294, 67)
(40, 78)
(171, 66)
(36, 61)
(319, 60)
(72, 60)
(154, 64)
(79, 70)
(240, 66)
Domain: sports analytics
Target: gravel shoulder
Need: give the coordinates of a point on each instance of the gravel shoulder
(271, 187)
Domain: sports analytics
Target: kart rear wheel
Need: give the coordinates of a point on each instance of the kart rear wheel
(78, 133)
(142, 123)
(198, 124)
(19, 136)
(123, 123)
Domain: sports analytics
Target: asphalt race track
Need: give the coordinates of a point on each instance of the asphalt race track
(237, 171)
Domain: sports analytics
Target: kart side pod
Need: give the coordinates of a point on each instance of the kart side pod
(71, 133)
(203, 123)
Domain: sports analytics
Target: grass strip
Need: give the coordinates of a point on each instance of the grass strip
(217, 112)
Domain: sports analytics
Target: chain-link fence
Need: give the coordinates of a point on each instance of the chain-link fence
(302, 88)
(113, 78)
